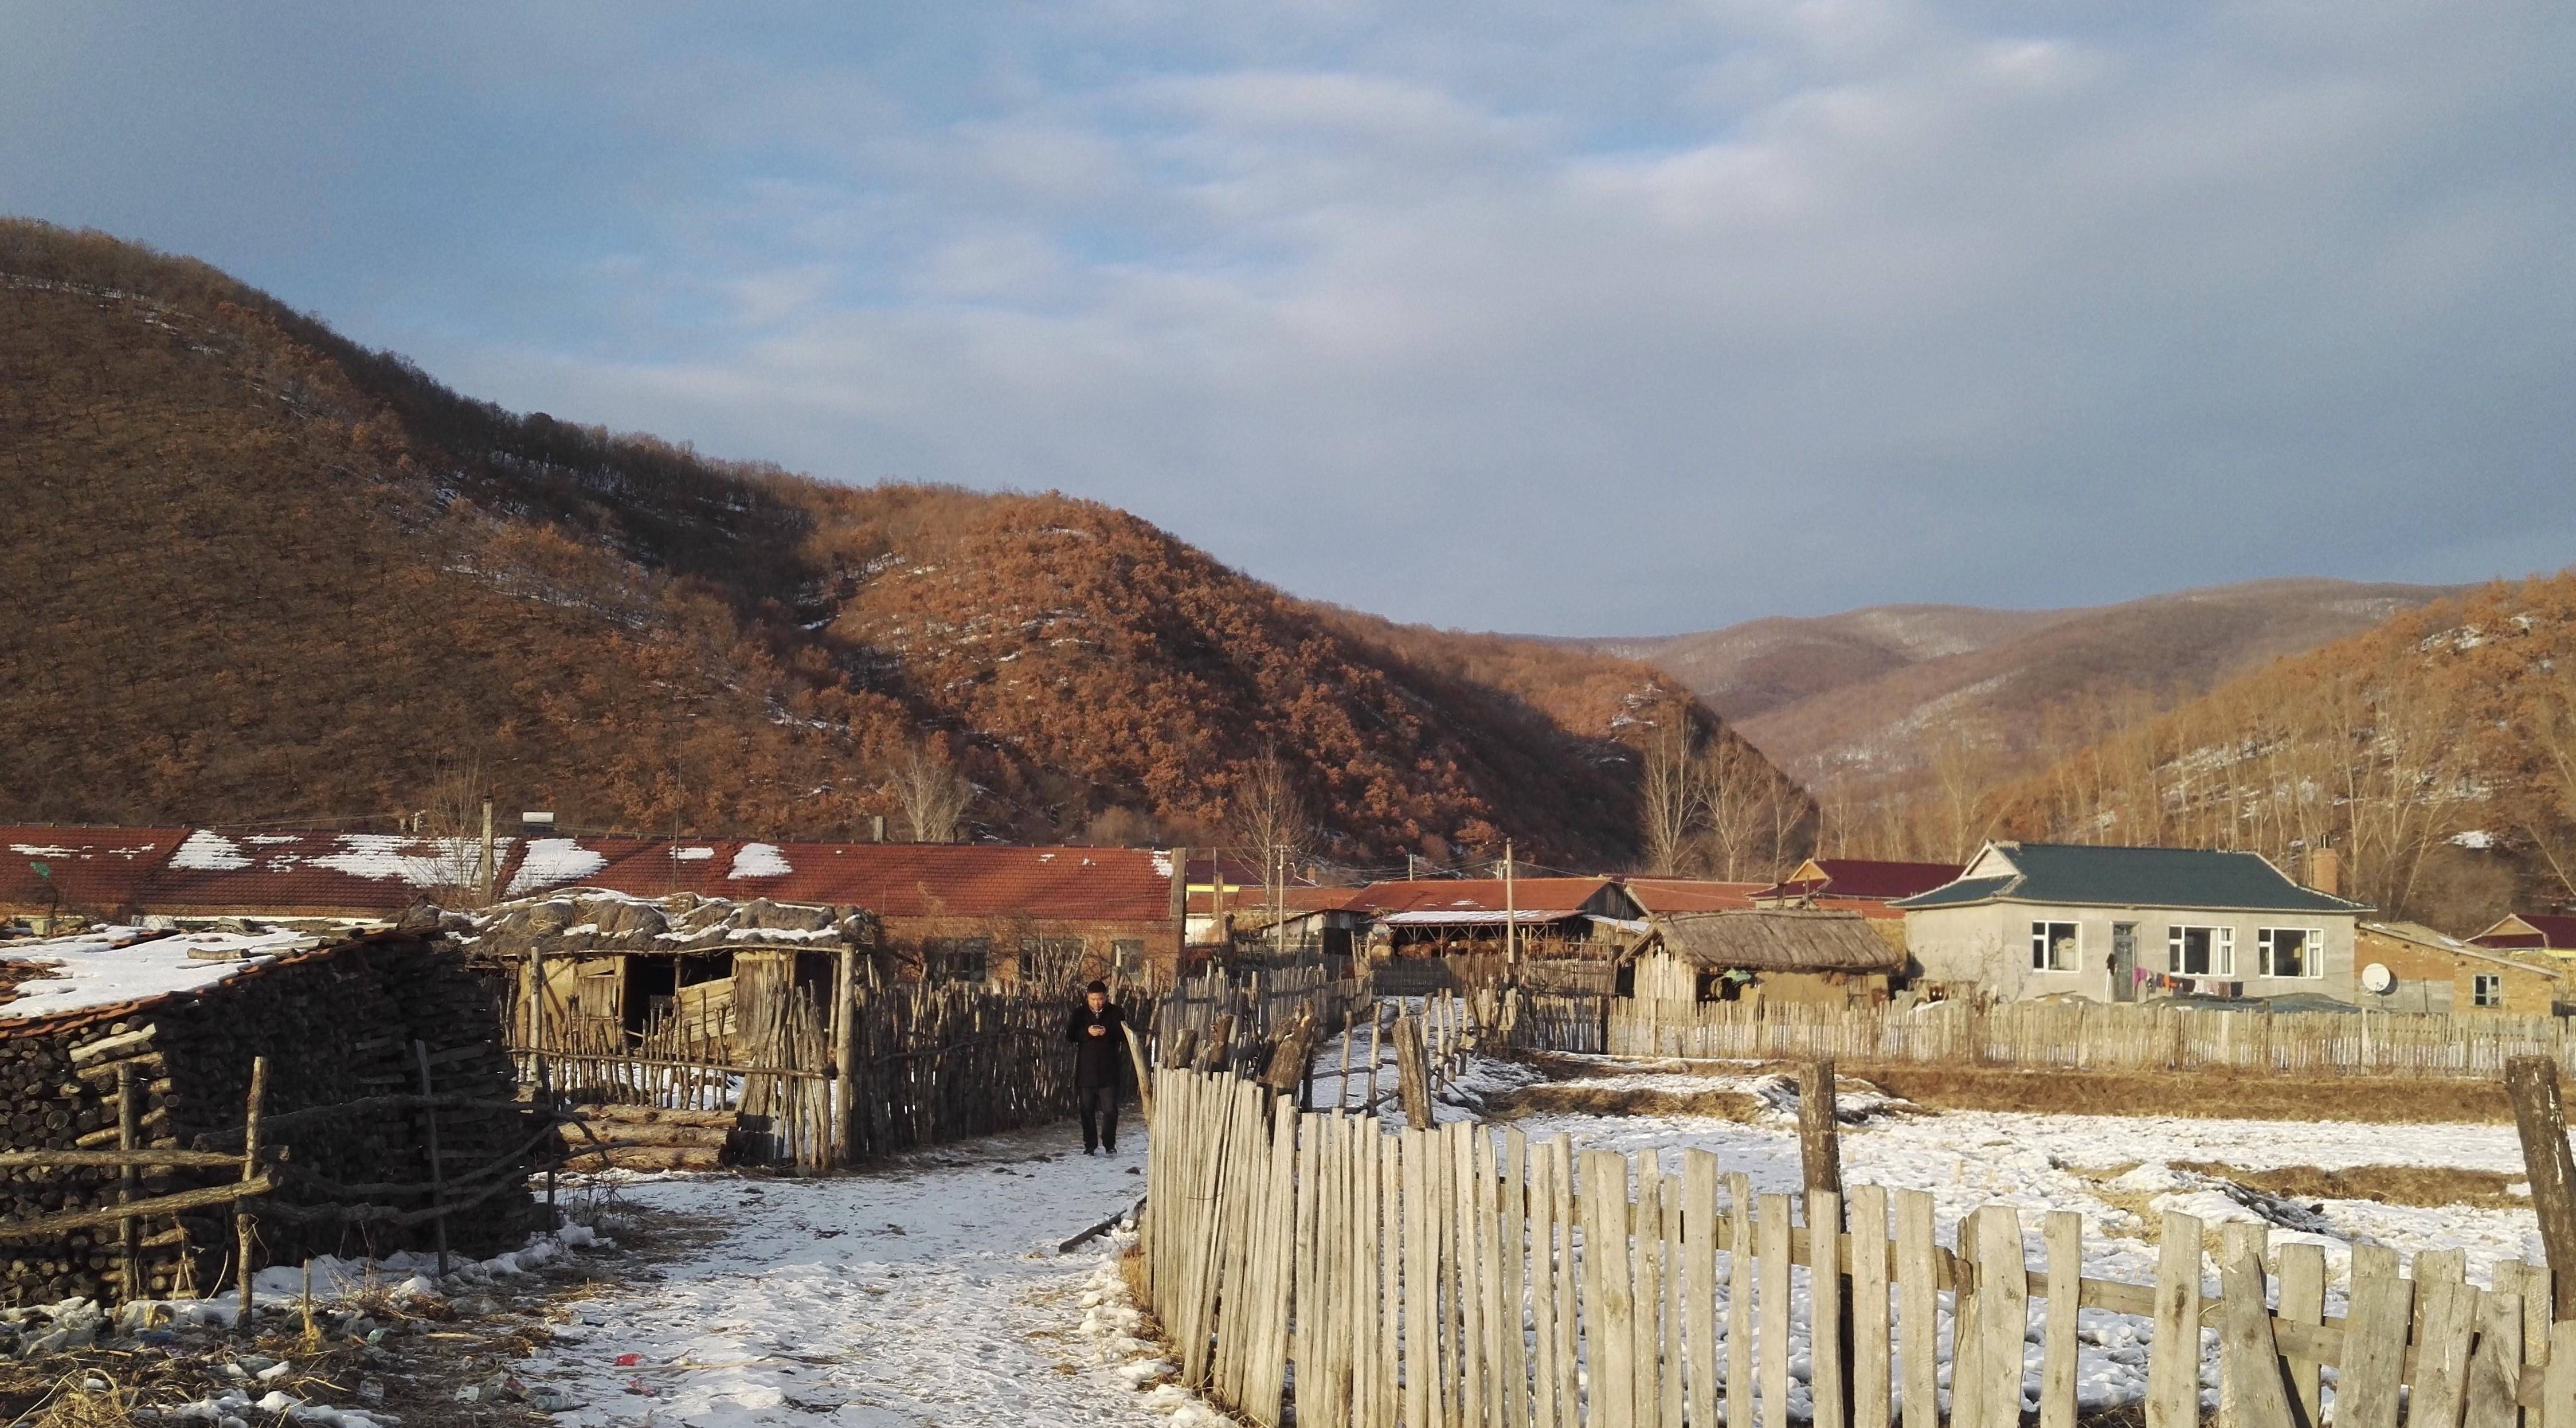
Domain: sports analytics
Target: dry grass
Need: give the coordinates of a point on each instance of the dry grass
(2429, 1185)
(1575, 1098)
(2202, 1095)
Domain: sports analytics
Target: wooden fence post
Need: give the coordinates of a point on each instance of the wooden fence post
(2531, 1083)
(437, 1171)
(129, 1137)
(242, 1223)
(1820, 1145)
(845, 1061)
(1412, 1072)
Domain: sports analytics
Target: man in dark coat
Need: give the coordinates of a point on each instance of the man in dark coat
(1098, 1034)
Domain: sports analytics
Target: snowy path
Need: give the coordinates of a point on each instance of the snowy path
(927, 1293)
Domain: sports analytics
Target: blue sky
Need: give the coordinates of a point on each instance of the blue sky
(1599, 318)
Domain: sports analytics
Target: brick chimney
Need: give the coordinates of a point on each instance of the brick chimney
(2325, 871)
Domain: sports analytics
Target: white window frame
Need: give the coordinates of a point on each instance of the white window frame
(2222, 950)
(2479, 982)
(2312, 941)
(2043, 947)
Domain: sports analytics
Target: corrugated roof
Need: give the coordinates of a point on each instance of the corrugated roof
(907, 879)
(2079, 874)
(1691, 894)
(1565, 896)
(283, 872)
(2432, 939)
(93, 869)
(1778, 940)
(1865, 878)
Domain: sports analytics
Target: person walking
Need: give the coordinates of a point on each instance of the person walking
(1098, 1032)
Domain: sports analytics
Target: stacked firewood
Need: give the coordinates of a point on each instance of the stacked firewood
(337, 1026)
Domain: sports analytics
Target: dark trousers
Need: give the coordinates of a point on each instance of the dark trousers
(1099, 1116)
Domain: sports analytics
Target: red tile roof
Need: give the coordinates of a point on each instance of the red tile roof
(908, 879)
(1868, 879)
(97, 870)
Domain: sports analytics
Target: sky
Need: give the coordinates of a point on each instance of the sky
(1597, 318)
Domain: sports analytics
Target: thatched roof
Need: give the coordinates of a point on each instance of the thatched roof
(1777, 940)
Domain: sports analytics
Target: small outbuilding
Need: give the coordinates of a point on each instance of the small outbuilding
(2408, 967)
(1773, 955)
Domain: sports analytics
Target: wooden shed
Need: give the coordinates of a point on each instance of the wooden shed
(1770, 954)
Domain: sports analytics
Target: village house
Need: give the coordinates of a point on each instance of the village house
(1552, 917)
(2408, 967)
(2113, 924)
(1867, 886)
(1762, 957)
(2550, 932)
(968, 912)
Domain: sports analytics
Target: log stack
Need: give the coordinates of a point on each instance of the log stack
(337, 1026)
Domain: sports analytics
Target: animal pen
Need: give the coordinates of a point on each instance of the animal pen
(1461, 1278)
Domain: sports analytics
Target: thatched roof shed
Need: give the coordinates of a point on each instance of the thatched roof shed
(1775, 940)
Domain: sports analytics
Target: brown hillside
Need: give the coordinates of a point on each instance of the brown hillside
(1747, 670)
(2436, 752)
(258, 573)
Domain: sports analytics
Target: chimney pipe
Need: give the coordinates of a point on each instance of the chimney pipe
(876, 827)
(2325, 871)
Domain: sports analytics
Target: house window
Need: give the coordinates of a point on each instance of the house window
(2052, 947)
(1127, 959)
(2486, 989)
(2201, 951)
(956, 959)
(2290, 952)
(1050, 961)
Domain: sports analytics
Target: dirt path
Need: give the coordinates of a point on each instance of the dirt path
(931, 1292)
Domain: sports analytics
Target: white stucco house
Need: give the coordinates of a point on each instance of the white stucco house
(2116, 924)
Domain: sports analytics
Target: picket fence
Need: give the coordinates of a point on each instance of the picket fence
(1454, 1278)
(2095, 1036)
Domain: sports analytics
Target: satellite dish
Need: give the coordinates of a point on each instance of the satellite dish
(2377, 979)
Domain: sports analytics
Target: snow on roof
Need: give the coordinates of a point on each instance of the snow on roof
(207, 851)
(555, 860)
(759, 860)
(112, 965)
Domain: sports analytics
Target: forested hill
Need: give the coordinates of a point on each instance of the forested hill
(2436, 751)
(258, 572)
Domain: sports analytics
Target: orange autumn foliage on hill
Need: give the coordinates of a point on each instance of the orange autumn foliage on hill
(2435, 753)
(261, 573)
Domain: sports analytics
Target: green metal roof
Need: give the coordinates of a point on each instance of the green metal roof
(2087, 875)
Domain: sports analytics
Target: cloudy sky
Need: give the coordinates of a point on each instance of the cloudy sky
(1596, 317)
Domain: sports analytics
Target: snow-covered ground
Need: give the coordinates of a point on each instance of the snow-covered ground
(2098, 1166)
(928, 1292)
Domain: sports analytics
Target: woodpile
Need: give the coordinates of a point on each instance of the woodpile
(338, 1026)
(651, 1138)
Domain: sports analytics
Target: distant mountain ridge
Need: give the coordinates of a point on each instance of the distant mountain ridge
(1866, 693)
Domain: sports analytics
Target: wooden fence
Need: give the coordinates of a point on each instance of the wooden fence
(2095, 1036)
(1459, 1279)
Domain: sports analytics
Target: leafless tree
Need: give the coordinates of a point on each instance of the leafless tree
(452, 819)
(933, 793)
(1267, 813)
(1669, 805)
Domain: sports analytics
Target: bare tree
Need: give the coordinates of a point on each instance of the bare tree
(452, 821)
(934, 795)
(1267, 812)
(1735, 783)
(2553, 734)
(1669, 805)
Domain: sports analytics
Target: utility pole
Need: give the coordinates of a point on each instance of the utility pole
(491, 873)
(1511, 922)
(1409, 861)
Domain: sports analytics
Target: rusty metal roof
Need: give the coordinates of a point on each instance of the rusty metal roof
(99, 870)
(1130, 885)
